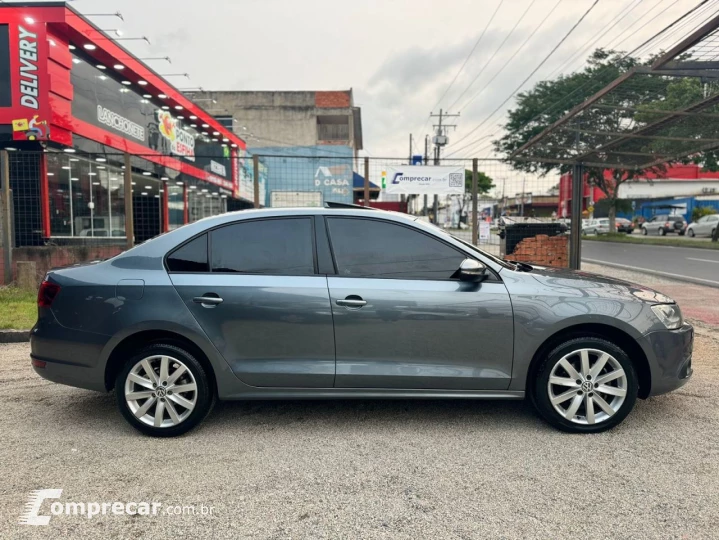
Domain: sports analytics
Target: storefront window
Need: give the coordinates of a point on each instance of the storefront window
(175, 204)
(86, 197)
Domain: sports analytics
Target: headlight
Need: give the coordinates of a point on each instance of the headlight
(669, 314)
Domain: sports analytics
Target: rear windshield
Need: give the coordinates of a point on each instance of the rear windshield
(676, 218)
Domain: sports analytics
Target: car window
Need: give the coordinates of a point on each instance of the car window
(379, 249)
(676, 218)
(191, 257)
(268, 246)
(713, 218)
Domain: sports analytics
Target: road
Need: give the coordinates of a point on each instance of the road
(696, 263)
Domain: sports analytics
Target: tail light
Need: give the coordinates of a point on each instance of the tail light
(47, 293)
(666, 224)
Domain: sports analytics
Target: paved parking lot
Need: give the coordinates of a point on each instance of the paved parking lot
(346, 469)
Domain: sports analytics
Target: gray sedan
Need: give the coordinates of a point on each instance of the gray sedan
(350, 303)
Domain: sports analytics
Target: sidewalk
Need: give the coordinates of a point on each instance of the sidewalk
(697, 302)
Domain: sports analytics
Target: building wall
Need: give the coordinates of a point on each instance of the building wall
(282, 119)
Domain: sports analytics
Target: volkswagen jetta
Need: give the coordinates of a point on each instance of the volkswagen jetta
(350, 303)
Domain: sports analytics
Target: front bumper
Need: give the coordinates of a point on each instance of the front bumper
(670, 358)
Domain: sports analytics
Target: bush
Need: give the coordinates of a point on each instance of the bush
(701, 211)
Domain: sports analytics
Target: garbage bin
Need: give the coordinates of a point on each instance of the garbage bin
(513, 233)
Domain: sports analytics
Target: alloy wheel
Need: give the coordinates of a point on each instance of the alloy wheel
(587, 386)
(160, 391)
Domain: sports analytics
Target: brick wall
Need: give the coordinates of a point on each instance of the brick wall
(332, 100)
(543, 250)
(48, 257)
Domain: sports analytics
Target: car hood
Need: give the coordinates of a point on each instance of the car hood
(593, 284)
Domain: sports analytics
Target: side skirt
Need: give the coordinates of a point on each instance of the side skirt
(370, 393)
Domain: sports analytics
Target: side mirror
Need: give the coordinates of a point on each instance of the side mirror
(472, 270)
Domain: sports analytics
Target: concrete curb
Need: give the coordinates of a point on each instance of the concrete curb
(675, 277)
(14, 336)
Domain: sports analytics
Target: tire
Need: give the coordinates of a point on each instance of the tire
(691, 233)
(713, 231)
(644, 231)
(662, 232)
(190, 407)
(568, 353)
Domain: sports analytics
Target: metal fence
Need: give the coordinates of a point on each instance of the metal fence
(69, 207)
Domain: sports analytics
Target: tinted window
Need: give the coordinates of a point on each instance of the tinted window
(675, 218)
(270, 246)
(192, 257)
(369, 248)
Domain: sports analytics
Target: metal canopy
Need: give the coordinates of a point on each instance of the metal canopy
(650, 115)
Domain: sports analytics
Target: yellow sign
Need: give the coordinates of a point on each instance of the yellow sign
(590, 209)
(20, 125)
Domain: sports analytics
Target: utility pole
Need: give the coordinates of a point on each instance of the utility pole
(521, 208)
(440, 140)
(409, 162)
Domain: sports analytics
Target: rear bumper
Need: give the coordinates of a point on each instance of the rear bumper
(71, 357)
(671, 358)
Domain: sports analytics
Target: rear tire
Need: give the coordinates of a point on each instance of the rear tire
(662, 232)
(644, 231)
(163, 391)
(585, 395)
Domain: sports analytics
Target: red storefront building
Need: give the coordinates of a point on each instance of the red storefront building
(99, 143)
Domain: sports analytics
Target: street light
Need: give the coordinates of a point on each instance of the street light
(158, 58)
(117, 31)
(116, 14)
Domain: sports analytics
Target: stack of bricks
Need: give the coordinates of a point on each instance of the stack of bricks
(543, 250)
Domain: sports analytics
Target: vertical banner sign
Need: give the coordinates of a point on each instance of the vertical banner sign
(235, 165)
(417, 180)
(483, 231)
(28, 68)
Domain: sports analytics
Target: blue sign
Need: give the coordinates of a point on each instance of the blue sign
(417, 160)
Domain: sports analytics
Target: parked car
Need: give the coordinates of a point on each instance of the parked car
(597, 226)
(706, 225)
(624, 225)
(349, 303)
(663, 224)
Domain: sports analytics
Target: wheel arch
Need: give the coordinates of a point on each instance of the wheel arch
(610, 333)
(134, 342)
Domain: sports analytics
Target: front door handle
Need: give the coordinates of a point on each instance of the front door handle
(207, 301)
(352, 301)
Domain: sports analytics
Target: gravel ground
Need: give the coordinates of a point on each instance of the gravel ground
(353, 469)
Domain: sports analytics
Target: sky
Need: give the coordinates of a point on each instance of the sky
(398, 56)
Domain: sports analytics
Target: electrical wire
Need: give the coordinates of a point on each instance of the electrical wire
(529, 37)
(544, 60)
(563, 99)
(493, 54)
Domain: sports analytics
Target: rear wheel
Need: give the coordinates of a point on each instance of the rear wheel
(644, 231)
(163, 391)
(662, 232)
(586, 385)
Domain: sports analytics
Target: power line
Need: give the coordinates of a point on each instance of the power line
(601, 33)
(493, 54)
(486, 85)
(563, 99)
(469, 55)
(533, 71)
(635, 30)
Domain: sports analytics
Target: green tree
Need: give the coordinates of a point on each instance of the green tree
(549, 101)
(701, 211)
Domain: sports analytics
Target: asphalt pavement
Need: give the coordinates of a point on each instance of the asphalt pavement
(696, 263)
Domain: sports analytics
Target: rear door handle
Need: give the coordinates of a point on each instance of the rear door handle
(207, 300)
(352, 301)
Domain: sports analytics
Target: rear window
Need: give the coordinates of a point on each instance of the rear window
(676, 218)
(192, 257)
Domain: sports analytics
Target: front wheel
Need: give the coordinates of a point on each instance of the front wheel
(585, 385)
(691, 233)
(163, 391)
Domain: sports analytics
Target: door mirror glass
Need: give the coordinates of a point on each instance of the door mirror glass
(472, 270)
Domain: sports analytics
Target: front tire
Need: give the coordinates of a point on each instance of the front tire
(163, 391)
(585, 385)
(691, 233)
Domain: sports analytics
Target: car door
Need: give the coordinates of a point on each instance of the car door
(257, 296)
(402, 320)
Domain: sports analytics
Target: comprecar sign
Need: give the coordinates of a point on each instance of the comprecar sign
(416, 180)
